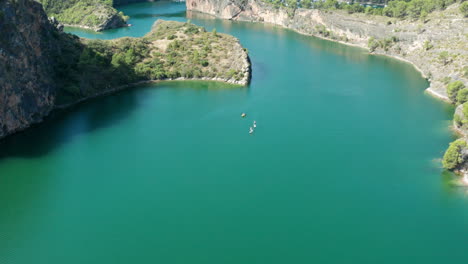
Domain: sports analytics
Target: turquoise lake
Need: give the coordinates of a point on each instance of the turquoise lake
(344, 166)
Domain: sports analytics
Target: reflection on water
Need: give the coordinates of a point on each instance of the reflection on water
(100, 113)
(168, 15)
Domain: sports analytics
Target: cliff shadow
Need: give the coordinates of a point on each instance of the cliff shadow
(62, 126)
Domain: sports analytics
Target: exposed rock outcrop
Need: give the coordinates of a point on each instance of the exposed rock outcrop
(416, 42)
(27, 50)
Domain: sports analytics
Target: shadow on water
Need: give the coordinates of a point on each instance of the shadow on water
(64, 125)
(167, 15)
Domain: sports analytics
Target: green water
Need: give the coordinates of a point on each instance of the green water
(341, 169)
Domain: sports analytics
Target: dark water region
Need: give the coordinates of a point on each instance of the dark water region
(342, 167)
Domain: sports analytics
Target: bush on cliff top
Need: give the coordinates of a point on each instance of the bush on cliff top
(462, 96)
(453, 88)
(464, 9)
(453, 156)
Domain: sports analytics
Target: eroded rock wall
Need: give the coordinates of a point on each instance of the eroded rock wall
(417, 42)
(26, 65)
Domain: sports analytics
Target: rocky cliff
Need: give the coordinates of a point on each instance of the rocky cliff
(27, 50)
(437, 47)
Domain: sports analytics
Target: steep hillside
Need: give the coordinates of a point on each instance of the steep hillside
(28, 45)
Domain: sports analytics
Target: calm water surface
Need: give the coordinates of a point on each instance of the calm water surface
(341, 169)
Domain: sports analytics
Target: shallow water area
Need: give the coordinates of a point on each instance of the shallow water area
(342, 167)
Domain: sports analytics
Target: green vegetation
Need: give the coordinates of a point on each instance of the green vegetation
(385, 44)
(458, 120)
(444, 57)
(453, 156)
(414, 9)
(453, 88)
(464, 9)
(465, 110)
(372, 44)
(89, 13)
(462, 96)
(170, 50)
(464, 72)
(427, 45)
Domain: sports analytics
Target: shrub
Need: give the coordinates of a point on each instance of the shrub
(192, 29)
(427, 45)
(453, 156)
(453, 88)
(423, 16)
(465, 72)
(446, 80)
(204, 63)
(444, 57)
(465, 110)
(386, 43)
(372, 44)
(306, 3)
(462, 96)
(457, 120)
(464, 9)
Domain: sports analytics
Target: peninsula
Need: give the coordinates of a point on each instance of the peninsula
(46, 68)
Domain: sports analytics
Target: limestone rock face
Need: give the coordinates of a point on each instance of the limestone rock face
(419, 43)
(225, 9)
(27, 47)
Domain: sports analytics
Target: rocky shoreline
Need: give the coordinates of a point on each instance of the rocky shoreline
(441, 30)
